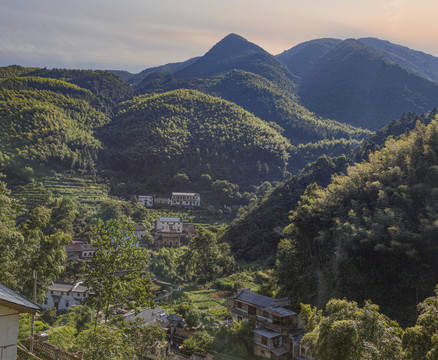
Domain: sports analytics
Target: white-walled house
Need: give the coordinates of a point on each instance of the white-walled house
(185, 199)
(63, 295)
(171, 224)
(146, 200)
(11, 305)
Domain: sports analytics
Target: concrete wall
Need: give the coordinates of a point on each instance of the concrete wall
(8, 333)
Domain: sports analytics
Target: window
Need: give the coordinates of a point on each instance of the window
(67, 303)
(265, 314)
(62, 292)
(68, 293)
(276, 341)
(264, 340)
(45, 301)
(51, 292)
(251, 310)
(239, 305)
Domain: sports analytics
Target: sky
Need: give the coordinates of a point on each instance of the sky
(136, 34)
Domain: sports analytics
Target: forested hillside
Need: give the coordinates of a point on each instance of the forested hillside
(46, 123)
(255, 234)
(153, 138)
(265, 100)
(370, 234)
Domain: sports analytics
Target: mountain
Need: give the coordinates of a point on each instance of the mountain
(301, 59)
(353, 83)
(370, 234)
(415, 61)
(153, 138)
(136, 80)
(265, 100)
(236, 53)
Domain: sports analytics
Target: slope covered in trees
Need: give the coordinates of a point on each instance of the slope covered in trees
(255, 234)
(265, 100)
(370, 234)
(47, 122)
(155, 137)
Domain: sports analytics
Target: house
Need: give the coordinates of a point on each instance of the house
(150, 316)
(168, 239)
(172, 224)
(160, 199)
(185, 199)
(63, 295)
(146, 200)
(276, 325)
(11, 305)
(79, 250)
(139, 231)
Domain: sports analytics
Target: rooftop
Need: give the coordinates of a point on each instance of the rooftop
(68, 287)
(174, 219)
(250, 297)
(150, 316)
(184, 194)
(266, 333)
(13, 300)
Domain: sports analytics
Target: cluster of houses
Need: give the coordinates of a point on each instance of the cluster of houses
(181, 199)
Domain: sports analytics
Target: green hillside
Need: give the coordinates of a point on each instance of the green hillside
(155, 137)
(265, 100)
(370, 234)
(255, 234)
(46, 124)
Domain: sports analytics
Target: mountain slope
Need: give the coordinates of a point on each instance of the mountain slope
(354, 84)
(155, 137)
(370, 234)
(267, 101)
(415, 61)
(234, 52)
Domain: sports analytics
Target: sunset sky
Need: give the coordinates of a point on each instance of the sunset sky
(135, 34)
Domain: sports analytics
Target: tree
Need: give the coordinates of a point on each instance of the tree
(347, 332)
(118, 273)
(207, 259)
(200, 342)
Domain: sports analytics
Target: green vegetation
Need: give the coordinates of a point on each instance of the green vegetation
(370, 234)
(189, 132)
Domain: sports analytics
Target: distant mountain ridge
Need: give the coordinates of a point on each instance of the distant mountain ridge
(354, 83)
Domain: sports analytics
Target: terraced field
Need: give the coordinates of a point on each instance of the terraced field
(84, 190)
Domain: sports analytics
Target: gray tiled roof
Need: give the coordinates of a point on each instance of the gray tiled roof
(150, 316)
(254, 298)
(8, 296)
(266, 333)
(67, 287)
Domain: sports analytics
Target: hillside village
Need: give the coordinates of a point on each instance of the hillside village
(315, 238)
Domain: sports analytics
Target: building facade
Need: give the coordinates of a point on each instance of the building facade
(11, 305)
(78, 250)
(63, 295)
(146, 200)
(172, 224)
(277, 327)
(185, 199)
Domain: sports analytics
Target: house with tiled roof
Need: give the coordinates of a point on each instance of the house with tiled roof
(276, 324)
(11, 305)
(79, 250)
(63, 295)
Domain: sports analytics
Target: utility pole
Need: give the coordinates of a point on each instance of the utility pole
(32, 326)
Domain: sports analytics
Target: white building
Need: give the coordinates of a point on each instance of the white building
(169, 224)
(11, 305)
(146, 200)
(185, 199)
(63, 295)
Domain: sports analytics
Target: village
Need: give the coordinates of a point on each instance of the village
(277, 332)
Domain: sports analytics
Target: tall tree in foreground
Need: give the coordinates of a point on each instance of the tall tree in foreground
(118, 274)
(347, 332)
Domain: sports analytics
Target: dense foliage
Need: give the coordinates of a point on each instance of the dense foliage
(255, 233)
(266, 100)
(153, 138)
(371, 234)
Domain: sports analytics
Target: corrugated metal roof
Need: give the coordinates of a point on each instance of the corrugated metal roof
(8, 296)
(279, 351)
(174, 219)
(266, 333)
